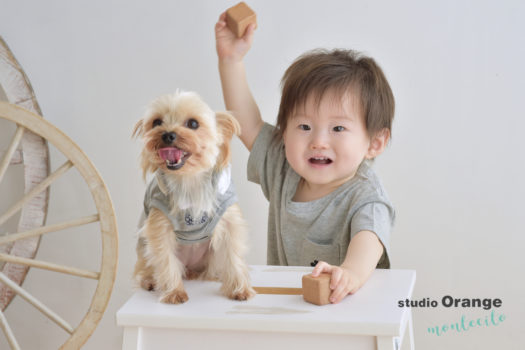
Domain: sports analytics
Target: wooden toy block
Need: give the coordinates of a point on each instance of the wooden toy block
(316, 290)
(239, 17)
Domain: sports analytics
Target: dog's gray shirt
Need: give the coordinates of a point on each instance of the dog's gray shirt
(189, 229)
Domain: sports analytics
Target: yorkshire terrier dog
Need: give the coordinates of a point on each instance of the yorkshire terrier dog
(192, 227)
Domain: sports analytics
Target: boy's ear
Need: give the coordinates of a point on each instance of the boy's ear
(137, 130)
(378, 144)
(227, 126)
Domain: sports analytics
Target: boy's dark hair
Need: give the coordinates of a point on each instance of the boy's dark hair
(341, 71)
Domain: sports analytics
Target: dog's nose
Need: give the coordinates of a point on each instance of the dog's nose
(169, 137)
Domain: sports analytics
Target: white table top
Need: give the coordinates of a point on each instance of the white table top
(373, 310)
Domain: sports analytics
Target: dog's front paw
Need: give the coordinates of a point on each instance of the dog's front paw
(244, 294)
(147, 284)
(175, 297)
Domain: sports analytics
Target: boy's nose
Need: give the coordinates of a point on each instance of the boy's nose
(319, 141)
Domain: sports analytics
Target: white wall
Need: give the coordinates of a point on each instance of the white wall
(454, 169)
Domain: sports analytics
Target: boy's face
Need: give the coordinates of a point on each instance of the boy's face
(326, 143)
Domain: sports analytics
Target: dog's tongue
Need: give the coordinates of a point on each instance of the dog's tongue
(170, 153)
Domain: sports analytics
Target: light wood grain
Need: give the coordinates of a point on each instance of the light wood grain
(278, 290)
(33, 153)
(8, 332)
(47, 229)
(50, 266)
(103, 203)
(36, 190)
(36, 303)
(17, 157)
(10, 151)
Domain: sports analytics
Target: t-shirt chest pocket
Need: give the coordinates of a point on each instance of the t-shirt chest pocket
(308, 237)
(312, 251)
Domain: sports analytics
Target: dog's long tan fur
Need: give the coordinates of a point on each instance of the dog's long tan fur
(162, 262)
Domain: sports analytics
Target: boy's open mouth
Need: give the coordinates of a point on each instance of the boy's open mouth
(320, 160)
(174, 157)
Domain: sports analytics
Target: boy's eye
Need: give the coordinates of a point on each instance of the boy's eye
(339, 128)
(157, 122)
(192, 124)
(304, 127)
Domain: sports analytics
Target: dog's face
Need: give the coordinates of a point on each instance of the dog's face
(183, 136)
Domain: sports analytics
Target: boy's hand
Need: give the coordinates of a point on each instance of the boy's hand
(229, 47)
(343, 281)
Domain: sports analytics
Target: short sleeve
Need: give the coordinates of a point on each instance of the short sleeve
(377, 217)
(266, 160)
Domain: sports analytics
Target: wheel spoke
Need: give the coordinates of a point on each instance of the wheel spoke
(36, 303)
(49, 266)
(11, 150)
(17, 157)
(47, 229)
(8, 332)
(39, 188)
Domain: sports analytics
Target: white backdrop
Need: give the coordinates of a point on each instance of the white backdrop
(454, 168)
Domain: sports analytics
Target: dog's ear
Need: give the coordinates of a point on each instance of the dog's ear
(138, 129)
(227, 126)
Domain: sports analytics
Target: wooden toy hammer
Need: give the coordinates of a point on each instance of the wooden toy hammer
(315, 290)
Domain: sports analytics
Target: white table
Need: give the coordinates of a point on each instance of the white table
(369, 319)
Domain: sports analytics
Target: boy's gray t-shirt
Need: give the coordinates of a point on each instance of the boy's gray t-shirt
(301, 232)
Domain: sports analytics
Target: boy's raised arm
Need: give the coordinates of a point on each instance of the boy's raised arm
(237, 95)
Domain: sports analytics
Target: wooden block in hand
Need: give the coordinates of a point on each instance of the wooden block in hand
(239, 17)
(316, 290)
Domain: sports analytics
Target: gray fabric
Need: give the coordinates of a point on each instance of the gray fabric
(187, 228)
(301, 232)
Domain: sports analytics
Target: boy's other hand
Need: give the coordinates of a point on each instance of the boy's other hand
(343, 281)
(229, 47)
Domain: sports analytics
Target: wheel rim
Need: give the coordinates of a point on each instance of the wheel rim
(106, 217)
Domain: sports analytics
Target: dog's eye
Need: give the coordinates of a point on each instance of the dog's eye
(157, 122)
(192, 124)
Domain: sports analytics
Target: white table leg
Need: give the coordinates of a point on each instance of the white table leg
(406, 326)
(131, 338)
(387, 343)
(410, 330)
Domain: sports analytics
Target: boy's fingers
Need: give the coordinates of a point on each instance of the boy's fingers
(320, 268)
(219, 26)
(335, 280)
(337, 295)
(221, 23)
(248, 34)
(250, 30)
(342, 290)
(338, 292)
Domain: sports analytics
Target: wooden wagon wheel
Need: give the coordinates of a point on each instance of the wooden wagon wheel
(29, 123)
(106, 216)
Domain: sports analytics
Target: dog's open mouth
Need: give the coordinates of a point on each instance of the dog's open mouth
(174, 157)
